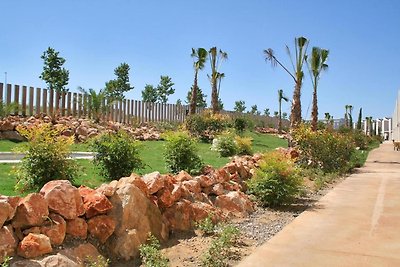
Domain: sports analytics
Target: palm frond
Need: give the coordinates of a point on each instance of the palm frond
(269, 56)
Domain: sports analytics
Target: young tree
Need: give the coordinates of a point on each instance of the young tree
(317, 65)
(276, 114)
(266, 112)
(281, 97)
(284, 115)
(116, 88)
(359, 121)
(351, 116)
(253, 109)
(216, 58)
(200, 57)
(149, 94)
(55, 76)
(164, 89)
(96, 103)
(301, 45)
(200, 99)
(239, 106)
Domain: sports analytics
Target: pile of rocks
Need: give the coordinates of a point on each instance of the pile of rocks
(118, 216)
(81, 129)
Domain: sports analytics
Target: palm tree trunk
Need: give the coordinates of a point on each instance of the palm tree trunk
(280, 116)
(314, 113)
(295, 118)
(214, 97)
(193, 99)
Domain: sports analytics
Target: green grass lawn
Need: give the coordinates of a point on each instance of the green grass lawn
(151, 152)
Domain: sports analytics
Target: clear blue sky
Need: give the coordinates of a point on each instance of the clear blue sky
(155, 38)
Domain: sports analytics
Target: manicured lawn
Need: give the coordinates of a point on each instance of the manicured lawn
(151, 152)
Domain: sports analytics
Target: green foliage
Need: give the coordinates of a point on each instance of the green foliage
(240, 124)
(266, 112)
(46, 157)
(181, 153)
(359, 121)
(219, 251)
(151, 255)
(206, 125)
(254, 110)
(206, 225)
(7, 109)
(116, 88)
(164, 89)
(5, 261)
(323, 149)
(100, 261)
(277, 181)
(244, 145)
(149, 94)
(117, 155)
(55, 76)
(225, 145)
(239, 106)
(96, 103)
(200, 100)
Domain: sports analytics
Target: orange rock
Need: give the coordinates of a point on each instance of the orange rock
(77, 228)
(55, 229)
(94, 202)
(183, 176)
(192, 185)
(101, 227)
(8, 206)
(206, 180)
(8, 241)
(63, 198)
(235, 202)
(154, 181)
(34, 245)
(31, 211)
(179, 216)
(135, 180)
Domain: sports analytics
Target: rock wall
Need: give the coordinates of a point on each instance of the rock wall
(118, 216)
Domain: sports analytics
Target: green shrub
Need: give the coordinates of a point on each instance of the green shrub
(276, 181)
(244, 145)
(240, 124)
(206, 125)
(100, 261)
(323, 149)
(219, 251)
(181, 153)
(7, 109)
(151, 255)
(46, 157)
(117, 155)
(206, 225)
(225, 145)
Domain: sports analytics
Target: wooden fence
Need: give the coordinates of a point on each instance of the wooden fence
(33, 101)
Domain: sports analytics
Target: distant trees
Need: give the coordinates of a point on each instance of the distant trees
(200, 98)
(116, 88)
(160, 93)
(254, 110)
(266, 112)
(96, 103)
(240, 106)
(359, 121)
(149, 94)
(54, 74)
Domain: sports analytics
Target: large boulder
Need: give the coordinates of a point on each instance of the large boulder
(236, 203)
(135, 180)
(34, 245)
(55, 229)
(63, 198)
(136, 217)
(58, 260)
(179, 215)
(8, 242)
(83, 254)
(101, 227)
(32, 210)
(77, 228)
(94, 202)
(6, 126)
(6, 211)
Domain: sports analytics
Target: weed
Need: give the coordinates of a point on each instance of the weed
(151, 255)
(100, 261)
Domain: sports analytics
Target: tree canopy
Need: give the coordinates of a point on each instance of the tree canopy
(55, 76)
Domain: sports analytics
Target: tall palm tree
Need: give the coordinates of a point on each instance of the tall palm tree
(216, 58)
(301, 45)
(346, 115)
(199, 56)
(317, 65)
(281, 97)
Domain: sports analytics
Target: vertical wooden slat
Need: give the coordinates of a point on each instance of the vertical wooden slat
(51, 101)
(111, 113)
(57, 102)
(80, 105)
(23, 104)
(1, 92)
(8, 94)
(44, 96)
(137, 112)
(84, 105)
(16, 98)
(103, 105)
(142, 112)
(38, 109)
(128, 110)
(31, 101)
(90, 111)
(120, 115)
(69, 101)
(74, 103)
(63, 100)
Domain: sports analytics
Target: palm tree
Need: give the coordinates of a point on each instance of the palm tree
(200, 57)
(346, 116)
(350, 107)
(220, 76)
(301, 45)
(216, 58)
(281, 97)
(317, 65)
(96, 103)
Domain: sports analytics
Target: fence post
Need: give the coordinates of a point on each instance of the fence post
(8, 94)
(51, 101)
(69, 98)
(57, 102)
(37, 101)
(23, 106)
(16, 98)
(1, 92)
(44, 94)
(74, 103)
(63, 96)
(31, 101)
(79, 105)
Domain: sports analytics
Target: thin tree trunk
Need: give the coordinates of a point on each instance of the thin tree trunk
(280, 116)
(193, 100)
(314, 113)
(214, 97)
(295, 117)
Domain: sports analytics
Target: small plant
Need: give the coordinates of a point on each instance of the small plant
(7, 109)
(240, 125)
(277, 181)
(100, 261)
(219, 251)
(206, 125)
(225, 144)
(181, 153)
(206, 225)
(244, 145)
(151, 255)
(117, 155)
(46, 157)
(5, 261)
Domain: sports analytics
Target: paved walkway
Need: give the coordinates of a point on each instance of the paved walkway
(11, 157)
(355, 224)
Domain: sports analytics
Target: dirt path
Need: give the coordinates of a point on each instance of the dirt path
(355, 224)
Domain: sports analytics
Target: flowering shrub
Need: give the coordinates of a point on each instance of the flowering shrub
(244, 145)
(225, 144)
(206, 125)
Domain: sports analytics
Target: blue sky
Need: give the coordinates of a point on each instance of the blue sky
(155, 38)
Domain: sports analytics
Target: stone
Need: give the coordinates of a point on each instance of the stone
(136, 216)
(63, 198)
(67, 132)
(206, 180)
(218, 189)
(183, 176)
(235, 202)
(8, 242)
(230, 168)
(58, 260)
(82, 130)
(12, 135)
(6, 211)
(221, 175)
(137, 181)
(201, 210)
(107, 189)
(6, 126)
(232, 186)
(82, 254)
(192, 185)
(32, 230)
(25, 263)
(179, 216)
(55, 229)
(77, 228)
(34, 245)
(154, 181)
(32, 210)
(94, 202)
(101, 227)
